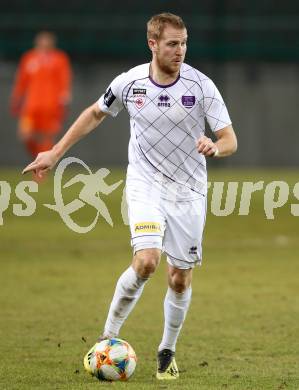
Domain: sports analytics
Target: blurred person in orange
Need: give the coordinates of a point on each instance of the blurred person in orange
(41, 93)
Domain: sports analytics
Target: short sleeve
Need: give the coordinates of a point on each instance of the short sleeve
(214, 107)
(111, 101)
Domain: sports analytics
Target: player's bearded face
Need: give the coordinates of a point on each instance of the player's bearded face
(171, 49)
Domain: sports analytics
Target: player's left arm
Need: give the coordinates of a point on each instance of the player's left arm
(225, 145)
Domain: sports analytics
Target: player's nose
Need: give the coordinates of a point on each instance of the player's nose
(179, 51)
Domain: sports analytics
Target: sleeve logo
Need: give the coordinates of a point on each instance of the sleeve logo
(109, 97)
(147, 227)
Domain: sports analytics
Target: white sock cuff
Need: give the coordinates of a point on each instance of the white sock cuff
(130, 283)
(179, 297)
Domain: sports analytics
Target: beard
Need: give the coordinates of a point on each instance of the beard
(169, 68)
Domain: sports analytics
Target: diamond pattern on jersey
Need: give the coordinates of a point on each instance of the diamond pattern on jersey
(166, 135)
(214, 107)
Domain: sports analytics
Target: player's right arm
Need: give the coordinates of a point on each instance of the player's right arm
(110, 103)
(86, 122)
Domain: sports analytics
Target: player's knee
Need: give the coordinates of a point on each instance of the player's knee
(179, 283)
(146, 261)
(179, 287)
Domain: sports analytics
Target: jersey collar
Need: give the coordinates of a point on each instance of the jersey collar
(160, 85)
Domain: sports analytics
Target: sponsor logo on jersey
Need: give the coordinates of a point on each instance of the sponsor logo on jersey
(163, 101)
(193, 250)
(109, 97)
(188, 101)
(139, 97)
(147, 227)
(139, 91)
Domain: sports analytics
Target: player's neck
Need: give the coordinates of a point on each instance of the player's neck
(160, 76)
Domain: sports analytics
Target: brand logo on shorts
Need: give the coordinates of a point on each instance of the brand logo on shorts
(193, 250)
(188, 101)
(147, 227)
(139, 97)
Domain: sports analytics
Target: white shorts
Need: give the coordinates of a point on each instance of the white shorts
(175, 227)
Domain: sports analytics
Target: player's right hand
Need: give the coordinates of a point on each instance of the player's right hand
(42, 164)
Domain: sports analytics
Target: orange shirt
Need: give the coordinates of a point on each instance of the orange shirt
(42, 82)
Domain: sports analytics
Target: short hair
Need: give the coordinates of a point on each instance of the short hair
(157, 24)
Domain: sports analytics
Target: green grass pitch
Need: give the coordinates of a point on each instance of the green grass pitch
(242, 330)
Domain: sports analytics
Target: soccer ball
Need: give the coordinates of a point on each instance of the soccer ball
(112, 360)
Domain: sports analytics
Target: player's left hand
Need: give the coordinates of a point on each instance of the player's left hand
(206, 146)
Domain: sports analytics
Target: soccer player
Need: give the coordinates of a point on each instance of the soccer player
(168, 102)
(41, 93)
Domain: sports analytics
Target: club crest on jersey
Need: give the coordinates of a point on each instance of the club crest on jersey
(139, 96)
(188, 101)
(163, 101)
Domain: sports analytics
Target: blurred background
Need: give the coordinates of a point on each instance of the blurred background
(250, 49)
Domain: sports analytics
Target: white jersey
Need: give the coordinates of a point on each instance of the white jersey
(166, 121)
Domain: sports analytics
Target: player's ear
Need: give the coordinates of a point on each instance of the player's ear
(153, 45)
